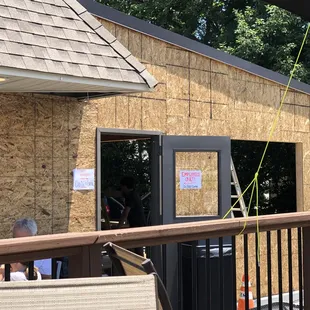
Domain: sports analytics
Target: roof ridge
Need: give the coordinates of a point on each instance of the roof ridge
(105, 35)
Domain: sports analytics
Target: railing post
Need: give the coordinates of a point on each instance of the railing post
(87, 263)
(95, 260)
(306, 265)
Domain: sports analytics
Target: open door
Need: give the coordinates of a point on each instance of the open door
(196, 186)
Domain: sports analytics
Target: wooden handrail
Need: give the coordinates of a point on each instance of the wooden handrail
(72, 243)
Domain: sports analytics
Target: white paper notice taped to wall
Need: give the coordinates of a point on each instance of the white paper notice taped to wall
(190, 179)
(83, 179)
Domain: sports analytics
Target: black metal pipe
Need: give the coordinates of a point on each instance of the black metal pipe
(31, 270)
(221, 273)
(269, 270)
(290, 267)
(194, 275)
(246, 271)
(180, 277)
(54, 268)
(7, 272)
(257, 252)
(300, 270)
(279, 241)
(164, 263)
(208, 275)
(234, 288)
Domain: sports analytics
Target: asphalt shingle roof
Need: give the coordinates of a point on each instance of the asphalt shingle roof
(61, 37)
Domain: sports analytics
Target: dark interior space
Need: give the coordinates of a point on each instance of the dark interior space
(277, 177)
(124, 156)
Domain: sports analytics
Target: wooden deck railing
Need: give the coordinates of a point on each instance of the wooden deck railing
(84, 249)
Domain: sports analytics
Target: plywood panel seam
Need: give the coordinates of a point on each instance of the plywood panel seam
(141, 51)
(202, 101)
(53, 115)
(69, 174)
(211, 101)
(166, 90)
(178, 66)
(128, 111)
(115, 114)
(295, 105)
(118, 33)
(157, 99)
(40, 136)
(16, 177)
(7, 135)
(220, 73)
(35, 158)
(174, 47)
(141, 112)
(159, 65)
(189, 87)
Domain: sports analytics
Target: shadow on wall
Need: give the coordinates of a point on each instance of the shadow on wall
(42, 139)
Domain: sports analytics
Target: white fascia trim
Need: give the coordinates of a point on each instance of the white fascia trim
(118, 85)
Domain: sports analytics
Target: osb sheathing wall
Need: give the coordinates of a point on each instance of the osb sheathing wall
(203, 201)
(43, 138)
(199, 96)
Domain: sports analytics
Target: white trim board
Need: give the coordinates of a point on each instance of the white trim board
(49, 82)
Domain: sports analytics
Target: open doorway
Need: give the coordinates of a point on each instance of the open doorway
(123, 153)
(120, 158)
(131, 153)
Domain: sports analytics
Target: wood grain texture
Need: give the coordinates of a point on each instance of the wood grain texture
(155, 235)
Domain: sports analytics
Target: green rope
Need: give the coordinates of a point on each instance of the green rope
(254, 182)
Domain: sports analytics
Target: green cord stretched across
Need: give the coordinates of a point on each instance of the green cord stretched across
(254, 182)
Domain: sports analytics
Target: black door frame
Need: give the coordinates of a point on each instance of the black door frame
(170, 146)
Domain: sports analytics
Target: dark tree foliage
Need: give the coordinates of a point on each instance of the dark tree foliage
(277, 177)
(263, 34)
(124, 158)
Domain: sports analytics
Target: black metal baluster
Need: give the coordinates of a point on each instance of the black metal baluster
(290, 267)
(208, 275)
(180, 276)
(300, 270)
(221, 273)
(54, 268)
(257, 251)
(234, 288)
(31, 270)
(279, 240)
(269, 270)
(164, 264)
(7, 272)
(246, 271)
(194, 274)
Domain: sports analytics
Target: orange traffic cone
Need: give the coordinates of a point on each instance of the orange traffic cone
(241, 301)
